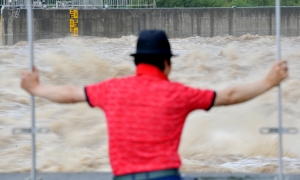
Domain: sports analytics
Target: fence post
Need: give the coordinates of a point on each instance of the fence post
(32, 103)
(278, 34)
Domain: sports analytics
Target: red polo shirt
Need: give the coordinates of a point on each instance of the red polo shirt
(145, 115)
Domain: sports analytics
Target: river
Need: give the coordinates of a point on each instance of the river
(225, 139)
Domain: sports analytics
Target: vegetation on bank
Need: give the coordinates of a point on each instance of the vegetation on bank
(223, 3)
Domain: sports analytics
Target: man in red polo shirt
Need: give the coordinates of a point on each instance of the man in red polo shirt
(146, 112)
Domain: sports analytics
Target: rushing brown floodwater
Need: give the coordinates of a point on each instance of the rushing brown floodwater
(225, 139)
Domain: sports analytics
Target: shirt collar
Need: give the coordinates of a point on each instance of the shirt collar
(150, 70)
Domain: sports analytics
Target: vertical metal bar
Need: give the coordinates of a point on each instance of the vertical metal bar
(278, 34)
(30, 45)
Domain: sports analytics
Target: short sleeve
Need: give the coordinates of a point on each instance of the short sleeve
(95, 94)
(200, 99)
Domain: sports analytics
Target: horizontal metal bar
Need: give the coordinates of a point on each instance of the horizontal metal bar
(79, 3)
(79, 6)
(17, 131)
(109, 176)
(277, 130)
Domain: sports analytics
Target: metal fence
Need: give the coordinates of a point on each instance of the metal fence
(80, 4)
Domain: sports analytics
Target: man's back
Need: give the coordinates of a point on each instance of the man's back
(145, 115)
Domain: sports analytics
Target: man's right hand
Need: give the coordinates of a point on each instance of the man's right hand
(30, 80)
(61, 94)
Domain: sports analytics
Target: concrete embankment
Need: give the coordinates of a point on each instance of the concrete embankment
(178, 23)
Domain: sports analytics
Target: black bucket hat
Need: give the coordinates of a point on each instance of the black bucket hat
(153, 42)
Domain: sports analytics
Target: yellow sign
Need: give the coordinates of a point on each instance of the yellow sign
(74, 22)
(75, 31)
(71, 23)
(74, 14)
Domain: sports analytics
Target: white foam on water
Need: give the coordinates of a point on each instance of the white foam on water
(225, 139)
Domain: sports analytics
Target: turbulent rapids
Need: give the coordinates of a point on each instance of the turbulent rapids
(225, 139)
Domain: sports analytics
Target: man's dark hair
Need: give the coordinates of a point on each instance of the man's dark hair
(156, 60)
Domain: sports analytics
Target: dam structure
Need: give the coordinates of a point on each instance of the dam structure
(178, 23)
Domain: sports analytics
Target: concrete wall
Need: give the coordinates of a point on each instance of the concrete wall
(47, 24)
(1, 29)
(178, 23)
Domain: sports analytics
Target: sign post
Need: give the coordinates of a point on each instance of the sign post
(74, 22)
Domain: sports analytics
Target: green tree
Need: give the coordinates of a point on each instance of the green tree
(223, 3)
